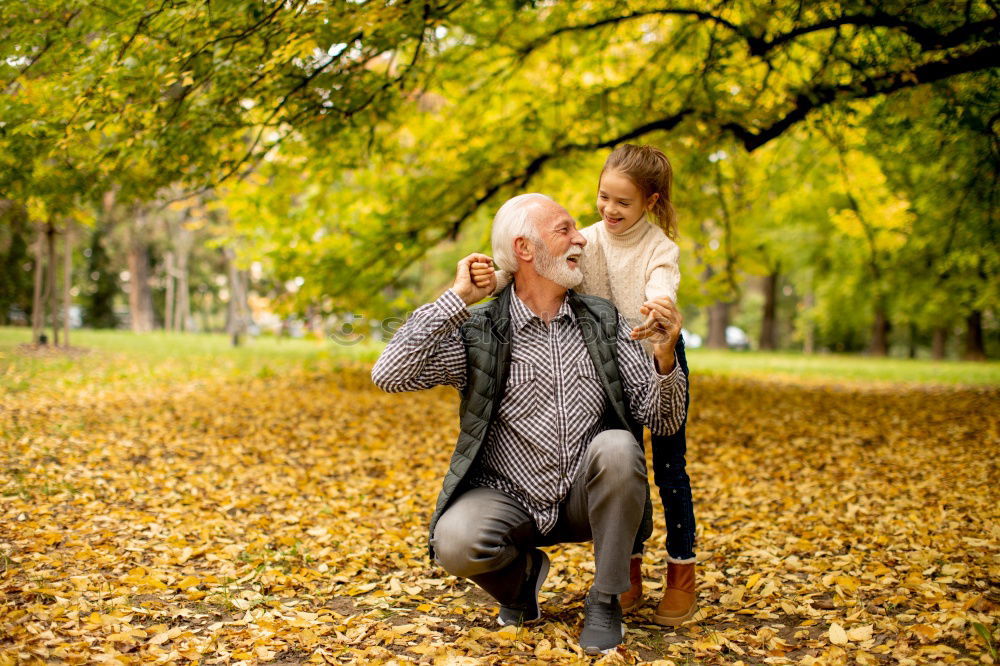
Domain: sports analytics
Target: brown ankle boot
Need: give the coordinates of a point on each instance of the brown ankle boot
(631, 599)
(679, 601)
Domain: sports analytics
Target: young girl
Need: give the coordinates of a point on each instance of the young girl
(629, 260)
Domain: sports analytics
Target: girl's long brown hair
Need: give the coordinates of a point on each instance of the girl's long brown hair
(649, 169)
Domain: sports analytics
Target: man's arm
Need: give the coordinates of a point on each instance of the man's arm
(663, 327)
(428, 350)
(656, 400)
(655, 388)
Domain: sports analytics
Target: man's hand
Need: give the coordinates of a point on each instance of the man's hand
(663, 326)
(475, 278)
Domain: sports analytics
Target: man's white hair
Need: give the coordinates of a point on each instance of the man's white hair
(511, 221)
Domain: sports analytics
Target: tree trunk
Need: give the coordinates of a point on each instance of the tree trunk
(183, 240)
(975, 350)
(50, 288)
(880, 332)
(139, 297)
(206, 301)
(236, 318)
(67, 279)
(769, 324)
(182, 308)
(809, 336)
(718, 320)
(168, 302)
(38, 299)
(939, 343)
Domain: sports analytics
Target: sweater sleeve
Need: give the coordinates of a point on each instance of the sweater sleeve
(663, 274)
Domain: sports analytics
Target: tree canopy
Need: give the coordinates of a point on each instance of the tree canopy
(140, 95)
(352, 143)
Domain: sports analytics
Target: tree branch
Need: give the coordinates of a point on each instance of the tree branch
(822, 95)
(138, 28)
(237, 36)
(805, 102)
(613, 20)
(928, 38)
(521, 179)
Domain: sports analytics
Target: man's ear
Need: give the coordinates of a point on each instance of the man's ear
(523, 249)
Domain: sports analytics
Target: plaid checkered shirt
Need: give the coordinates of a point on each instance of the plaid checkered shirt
(553, 403)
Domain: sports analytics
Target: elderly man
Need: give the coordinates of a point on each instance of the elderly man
(554, 386)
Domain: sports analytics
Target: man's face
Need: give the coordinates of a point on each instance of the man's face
(557, 257)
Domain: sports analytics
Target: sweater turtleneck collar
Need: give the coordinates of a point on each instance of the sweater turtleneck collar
(631, 236)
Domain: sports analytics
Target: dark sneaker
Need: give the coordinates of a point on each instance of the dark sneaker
(603, 630)
(527, 610)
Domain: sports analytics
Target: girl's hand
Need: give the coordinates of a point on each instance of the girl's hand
(663, 326)
(483, 274)
(474, 278)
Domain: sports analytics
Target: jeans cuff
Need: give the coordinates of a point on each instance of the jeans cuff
(686, 560)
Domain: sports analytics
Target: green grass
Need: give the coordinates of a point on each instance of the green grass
(121, 359)
(844, 367)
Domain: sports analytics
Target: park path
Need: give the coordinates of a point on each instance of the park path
(282, 519)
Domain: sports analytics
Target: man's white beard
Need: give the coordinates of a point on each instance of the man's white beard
(556, 269)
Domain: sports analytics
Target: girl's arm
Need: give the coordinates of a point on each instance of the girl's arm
(663, 274)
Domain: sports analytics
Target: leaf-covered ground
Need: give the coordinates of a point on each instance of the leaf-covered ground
(282, 518)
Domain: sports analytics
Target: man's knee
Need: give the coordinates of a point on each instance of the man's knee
(452, 545)
(462, 547)
(615, 456)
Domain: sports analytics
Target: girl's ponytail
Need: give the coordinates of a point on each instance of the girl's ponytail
(649, 169)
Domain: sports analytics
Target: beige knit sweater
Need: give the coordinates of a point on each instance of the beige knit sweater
(642, 261)
(630, 268)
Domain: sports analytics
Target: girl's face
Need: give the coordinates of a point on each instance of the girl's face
(620, 202)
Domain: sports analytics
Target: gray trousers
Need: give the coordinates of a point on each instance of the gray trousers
(485, 535)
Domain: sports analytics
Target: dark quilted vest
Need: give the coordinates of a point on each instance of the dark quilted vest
(487, 342)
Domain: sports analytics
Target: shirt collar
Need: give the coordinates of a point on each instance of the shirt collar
(521, 314)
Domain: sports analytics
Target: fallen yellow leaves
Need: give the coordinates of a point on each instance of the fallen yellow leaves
(283, 519)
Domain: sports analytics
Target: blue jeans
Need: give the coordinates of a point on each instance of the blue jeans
(670, 476)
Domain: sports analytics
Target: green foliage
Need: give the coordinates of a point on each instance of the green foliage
(530, 99)
(356, 150)
(138, 96)
(937, 147)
